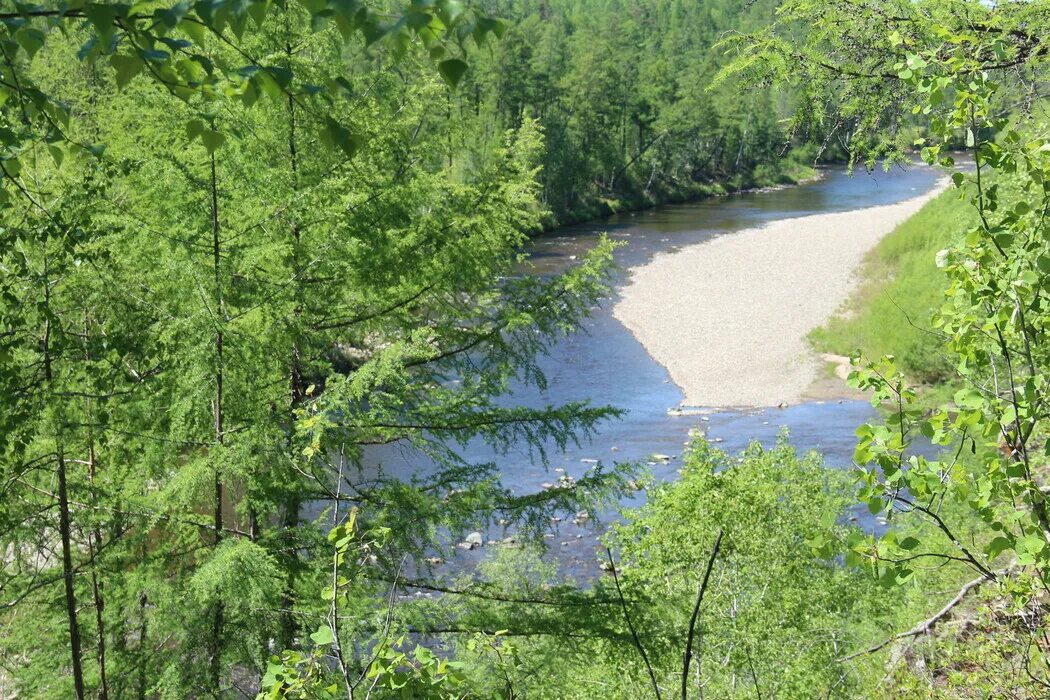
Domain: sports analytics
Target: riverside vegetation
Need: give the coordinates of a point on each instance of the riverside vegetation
(244, 241)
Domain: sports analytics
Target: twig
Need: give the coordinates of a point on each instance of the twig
(630, 626)
(696, 612)
(754, 676)
(926, 625)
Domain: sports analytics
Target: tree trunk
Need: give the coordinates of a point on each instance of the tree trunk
(217, 611)
(296, 388)
(64, 525)
(95, 541)
(67, 576)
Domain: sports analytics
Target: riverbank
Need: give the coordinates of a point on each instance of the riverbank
(728, 318)
(764, 178)
(889, 311)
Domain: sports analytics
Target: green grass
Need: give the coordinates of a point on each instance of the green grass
(890, 312)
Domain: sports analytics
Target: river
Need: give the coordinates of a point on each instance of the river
(604, 364)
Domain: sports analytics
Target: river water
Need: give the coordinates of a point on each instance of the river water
(603, 363)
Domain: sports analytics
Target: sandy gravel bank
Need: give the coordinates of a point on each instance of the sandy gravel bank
(728, 317)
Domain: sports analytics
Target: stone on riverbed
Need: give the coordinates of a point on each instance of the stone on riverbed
(471, 541)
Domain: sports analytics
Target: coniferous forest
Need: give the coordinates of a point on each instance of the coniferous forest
(249, 247)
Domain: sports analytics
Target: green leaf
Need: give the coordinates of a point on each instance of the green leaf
(127, 67)
(322, 636)
(30, 39)
(908, 544)
(257, 11)
(101, 17)
(172, 16)
(282, 76)
(194, 128)
(335, 135)
(57, 154)
(452, 70)
(212, 140)
(997, 546)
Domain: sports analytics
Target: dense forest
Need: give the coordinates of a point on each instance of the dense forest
(624, 94)
(247, 242)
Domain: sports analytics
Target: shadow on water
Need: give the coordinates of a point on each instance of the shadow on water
(604, 364)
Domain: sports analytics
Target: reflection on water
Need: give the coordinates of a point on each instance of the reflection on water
(604, 364)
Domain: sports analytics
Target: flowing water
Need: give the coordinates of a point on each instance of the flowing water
(604, 364)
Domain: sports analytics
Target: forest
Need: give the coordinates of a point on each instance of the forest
(252, 249)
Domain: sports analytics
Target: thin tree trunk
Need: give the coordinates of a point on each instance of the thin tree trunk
(217, 612)
(296, 384)
(100, 625)
(687, 657)
(67, 576)
(143, 633)
(95, 540)
(64, 525)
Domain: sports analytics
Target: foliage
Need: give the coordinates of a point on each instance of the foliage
(993, 312)
(776, 613)
(854, 87)
(622, 91)
(961, 67)
(248, 246)
(324, 672)
(212, 324)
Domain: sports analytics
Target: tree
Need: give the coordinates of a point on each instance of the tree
(963, 72)
(260, 270)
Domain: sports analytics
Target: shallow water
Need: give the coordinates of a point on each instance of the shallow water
(604, 364)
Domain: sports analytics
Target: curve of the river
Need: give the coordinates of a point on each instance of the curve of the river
(605, 364)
